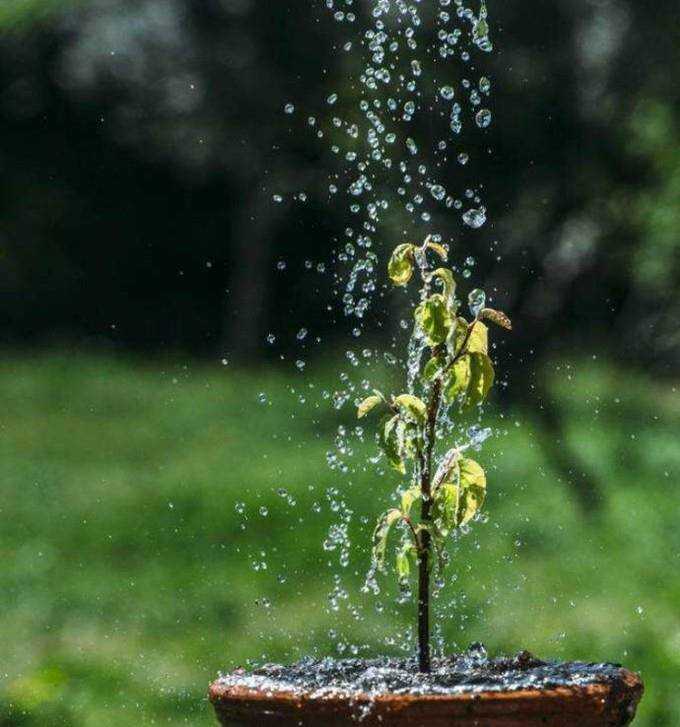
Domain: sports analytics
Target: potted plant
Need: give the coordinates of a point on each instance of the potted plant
(445, 490)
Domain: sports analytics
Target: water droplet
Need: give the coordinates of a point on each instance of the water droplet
(483, 118)
(289, 108)
(476, 301)
(447, 92)
(437, 191)
(475, 218)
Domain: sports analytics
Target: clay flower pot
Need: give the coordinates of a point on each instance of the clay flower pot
(590, 701)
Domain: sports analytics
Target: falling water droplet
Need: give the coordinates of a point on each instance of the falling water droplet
(483, 118)
(437, 191)
(476, 301)
(475, 218)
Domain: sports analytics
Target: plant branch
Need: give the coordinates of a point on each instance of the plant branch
(426, 538)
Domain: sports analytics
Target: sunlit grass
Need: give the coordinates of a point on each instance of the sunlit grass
(129, 578)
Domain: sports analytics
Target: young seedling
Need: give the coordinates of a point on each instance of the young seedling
(444, 490)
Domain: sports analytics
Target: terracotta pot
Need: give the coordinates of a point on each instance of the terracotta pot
(595, 705)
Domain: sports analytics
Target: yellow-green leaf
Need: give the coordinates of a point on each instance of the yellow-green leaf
(413, 407)
(367, 405)
(433, 367)
(459, 499)
(482, 377)
(474, 336)
(472, 486)
(408, 499)
(401, 265)
(389, 443)
(435, 319)
(447, 280)
(409, 438)
(404, 561)
(459, 378)
(445, 511)
(479, 339)
(380, 535)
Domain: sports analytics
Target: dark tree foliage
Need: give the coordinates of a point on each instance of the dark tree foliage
(143, 141)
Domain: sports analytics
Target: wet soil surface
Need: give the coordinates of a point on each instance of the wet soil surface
(470, 672)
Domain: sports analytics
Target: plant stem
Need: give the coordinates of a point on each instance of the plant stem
(426, 539)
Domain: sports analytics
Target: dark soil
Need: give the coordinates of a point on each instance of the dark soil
(470, 672)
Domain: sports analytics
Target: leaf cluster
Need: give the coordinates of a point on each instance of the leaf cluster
(458, 373)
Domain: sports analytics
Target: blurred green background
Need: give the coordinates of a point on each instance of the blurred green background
(129, 578)
(165, 492)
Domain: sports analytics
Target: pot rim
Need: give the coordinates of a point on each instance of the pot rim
(628, 682)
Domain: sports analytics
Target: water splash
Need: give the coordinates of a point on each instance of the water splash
(419, 97)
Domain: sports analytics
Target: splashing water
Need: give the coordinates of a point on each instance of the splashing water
(401, 145)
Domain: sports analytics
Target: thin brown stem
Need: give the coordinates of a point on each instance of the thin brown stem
(426, 538)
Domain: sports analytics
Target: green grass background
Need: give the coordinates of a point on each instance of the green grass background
(129, 578)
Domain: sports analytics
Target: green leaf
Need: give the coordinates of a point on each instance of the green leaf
(433, 368)
(401, 265)
(368, 404)
(408, 499)
(482, 377)
(435, 319)
(470, 379)
(380, 535)
(404, 561)
(497, 317)
(409, 438)
(445, 510)
(472, 487)
(459, 378)
(479, 339)
(413, 407)
(459, 499)
(474, 337)
(448, 281)
(389, 443)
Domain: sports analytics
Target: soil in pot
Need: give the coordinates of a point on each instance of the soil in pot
(464, 689)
